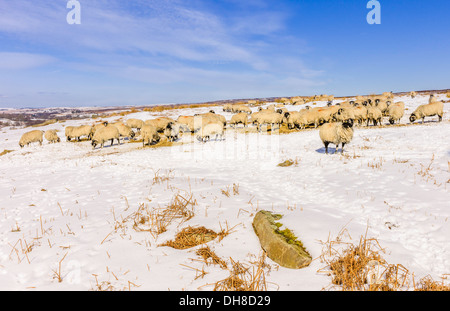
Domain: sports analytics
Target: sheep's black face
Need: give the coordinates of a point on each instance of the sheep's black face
(391, 121)
(286, 115)
(348, 123)
(412, 118)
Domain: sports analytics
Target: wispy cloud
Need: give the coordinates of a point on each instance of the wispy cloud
(166, 43)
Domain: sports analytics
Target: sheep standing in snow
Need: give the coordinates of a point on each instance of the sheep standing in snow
(336, 133)
(428, 110)
(149, 134)
(159, 123)
(374, 115)
(271, 118)
(104, 134)
(135, 123)
(31, 137)
(51, 136)
(125, 131)
(78, 131)
(241, 117)
(413, 94)
(207, 131)
(172, 131)
(395, 112)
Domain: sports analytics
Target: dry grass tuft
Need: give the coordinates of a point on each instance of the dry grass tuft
(428, 284)
(6, 151)
(361, 267)
(190, 237)
(156, 221)
(210, 257)
(245, 278)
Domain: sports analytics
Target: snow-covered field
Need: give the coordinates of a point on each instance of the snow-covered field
(64, 207)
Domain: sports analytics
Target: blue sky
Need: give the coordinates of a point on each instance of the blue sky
(145, 52)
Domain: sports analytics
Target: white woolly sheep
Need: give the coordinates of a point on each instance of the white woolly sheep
(374, 115)
(125, 131)
(395, 112)
(413, 94)
(135, 123)
(104, 134)
(78, 131)
(336, 133)
(207, 131)
(51, 136)
(428, 110)
(159, 123)
(31, 137)
(188, 121)
(271, 118)
(241, 117)
(149, 135)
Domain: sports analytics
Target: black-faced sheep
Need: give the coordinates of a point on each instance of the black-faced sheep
(210, 129)
(239, 118)
(395, 112)
(104, 134)
(336, 133)
(31, 137)
(428, 110)
(51, 136)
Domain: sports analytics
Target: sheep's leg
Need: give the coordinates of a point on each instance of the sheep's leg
(326, 146)
(342, 149)
(440, 118)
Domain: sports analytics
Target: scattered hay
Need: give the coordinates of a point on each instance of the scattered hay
(428, 284)
(190, 237)
(6, 151)
(289, 162)
(210, 257)
(156, 221)
(361, 267)
(245, 278)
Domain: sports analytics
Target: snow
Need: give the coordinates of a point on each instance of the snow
(64, 207)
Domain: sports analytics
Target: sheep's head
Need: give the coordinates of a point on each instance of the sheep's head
(94, 143)
(347, 123)
(286, 115)
(391, 121)
(412, 118)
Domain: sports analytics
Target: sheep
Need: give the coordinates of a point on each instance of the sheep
(95, 127)
(413, 94)
(241, 117)
(271, 118)
(336, 133)
(241, 108)
(374, 115)
(104, 134)
(159, 123)
(210, 129)
(382, 105)
(187, 121)
(51, 136)
(428, 110)
(124, 130)
(31, 137)
(135, 123)
(78, 131)
(432, 99)
(227, 107)
(212, 117)
(172, 131)
(395, 112)
(343, 113)
(311, 116)
(149, 134)
(360, 113)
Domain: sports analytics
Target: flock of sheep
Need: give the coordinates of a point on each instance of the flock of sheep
(336, 121)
